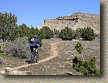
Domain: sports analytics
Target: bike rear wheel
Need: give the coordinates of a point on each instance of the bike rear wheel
(36, 58)
(34, 55)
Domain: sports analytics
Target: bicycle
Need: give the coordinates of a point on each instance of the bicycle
(34, 56)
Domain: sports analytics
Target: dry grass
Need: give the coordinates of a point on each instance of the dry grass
(63, 62)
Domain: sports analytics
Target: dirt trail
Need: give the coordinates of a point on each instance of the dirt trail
(54, 53)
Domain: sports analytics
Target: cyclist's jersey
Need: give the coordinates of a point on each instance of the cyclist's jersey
(34, 43)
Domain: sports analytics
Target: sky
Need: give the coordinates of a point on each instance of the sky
(33, 12)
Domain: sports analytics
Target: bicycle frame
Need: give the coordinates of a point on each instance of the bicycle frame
(35, 54)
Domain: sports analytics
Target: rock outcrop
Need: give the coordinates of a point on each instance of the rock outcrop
(77, 20)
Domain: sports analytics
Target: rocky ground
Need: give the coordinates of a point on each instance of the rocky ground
(62, 63)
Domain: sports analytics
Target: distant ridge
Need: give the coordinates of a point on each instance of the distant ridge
(76, 20)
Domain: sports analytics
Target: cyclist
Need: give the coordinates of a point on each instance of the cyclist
(34, 43)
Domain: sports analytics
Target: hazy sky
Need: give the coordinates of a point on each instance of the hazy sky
(33, 12)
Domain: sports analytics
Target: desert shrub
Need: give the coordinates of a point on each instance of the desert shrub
(78, 33)
(7, 26)
(88, 34)
(79, 47)
(85, 33)
(18, 48)
(1, 60)
(45, 33)
(87, 67)
(67, 34)
(56, 33)
(23, 30)
(9, 30)
(33, 32)
(1, 51)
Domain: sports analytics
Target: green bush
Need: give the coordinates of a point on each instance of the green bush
(88, 34)
(9, 30)
(45, 33)
(56, 33)
(18, 48)
(1, 60)
(1, 51)
(33, 32)
(67, 34)
(79, 47)
(78, 33)
(7, 26)
(86, 67)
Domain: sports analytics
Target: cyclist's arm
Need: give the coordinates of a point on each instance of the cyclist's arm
(38, 43)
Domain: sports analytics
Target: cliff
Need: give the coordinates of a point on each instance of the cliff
(77, 20)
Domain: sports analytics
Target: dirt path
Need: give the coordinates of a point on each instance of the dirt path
(54, 53)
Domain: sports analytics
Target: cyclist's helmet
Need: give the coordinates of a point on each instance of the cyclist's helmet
(32, 40)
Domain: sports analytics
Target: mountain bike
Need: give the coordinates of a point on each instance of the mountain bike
(34, 56)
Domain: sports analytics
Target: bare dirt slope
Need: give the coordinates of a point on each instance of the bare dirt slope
(53, 51)
(63, 53)
(56, 57)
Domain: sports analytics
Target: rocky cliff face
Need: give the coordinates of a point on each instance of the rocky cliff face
(77, 20)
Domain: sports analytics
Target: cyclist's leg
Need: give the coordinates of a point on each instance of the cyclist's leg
(31, 56)
(36, 50)
(37, 55)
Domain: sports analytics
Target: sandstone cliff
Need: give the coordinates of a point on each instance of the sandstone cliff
(77, 20)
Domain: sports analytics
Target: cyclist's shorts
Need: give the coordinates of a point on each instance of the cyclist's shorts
(31, 47)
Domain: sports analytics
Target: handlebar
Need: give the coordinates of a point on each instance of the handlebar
(38, 45)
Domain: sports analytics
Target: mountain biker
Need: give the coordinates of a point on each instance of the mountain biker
(34, 43)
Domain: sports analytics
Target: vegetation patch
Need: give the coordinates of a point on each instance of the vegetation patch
(67, 34)
(86, 67)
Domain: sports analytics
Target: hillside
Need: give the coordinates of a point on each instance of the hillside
(90, 20)
(77, 20)
(56, 57)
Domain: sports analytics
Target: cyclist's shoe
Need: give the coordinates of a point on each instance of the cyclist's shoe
(36, 61)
